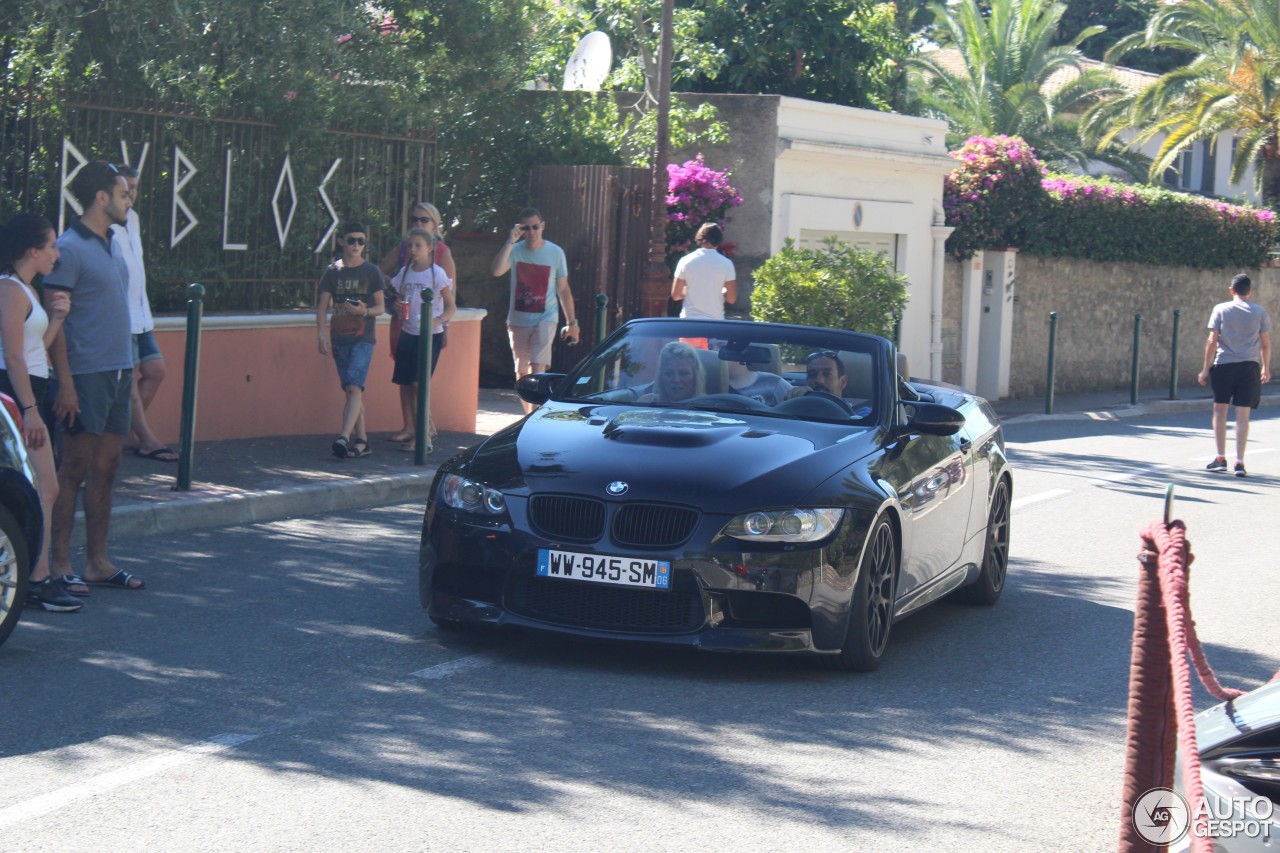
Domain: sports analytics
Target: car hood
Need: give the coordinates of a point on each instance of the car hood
(716, 461)
(1254, 711)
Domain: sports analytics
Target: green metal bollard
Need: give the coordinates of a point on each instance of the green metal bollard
(422, 434)
(1173, 356)
(1133, 373)
(602, 316)
(1053, 346)
(190, 370)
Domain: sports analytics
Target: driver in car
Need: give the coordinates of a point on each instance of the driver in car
(824, 371)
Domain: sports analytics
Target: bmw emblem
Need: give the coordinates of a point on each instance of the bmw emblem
(616, 488)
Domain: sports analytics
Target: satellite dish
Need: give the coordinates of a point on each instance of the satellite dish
(590, 63)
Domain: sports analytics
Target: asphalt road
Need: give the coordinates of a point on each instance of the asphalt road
(277, 688)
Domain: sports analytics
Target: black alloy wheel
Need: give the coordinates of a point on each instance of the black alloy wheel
(995, 557)
(871, 612)
(15, 567)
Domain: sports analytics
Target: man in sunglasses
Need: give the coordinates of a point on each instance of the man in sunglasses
(353, 287)
(539, 291)
(824, 371)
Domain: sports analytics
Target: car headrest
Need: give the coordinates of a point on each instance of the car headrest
(716, 371)
(857, 367)
(904, 372)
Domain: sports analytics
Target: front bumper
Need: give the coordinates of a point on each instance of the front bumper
(475, 571)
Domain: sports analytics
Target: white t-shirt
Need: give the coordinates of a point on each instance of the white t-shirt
(129, 236)
(410, 283)
(705, 272)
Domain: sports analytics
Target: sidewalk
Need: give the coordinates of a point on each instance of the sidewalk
(261, 479)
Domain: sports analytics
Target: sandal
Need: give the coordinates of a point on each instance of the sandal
(68, 581)
(121, 580)
(400, 437)
(340, 447)
(359, 448)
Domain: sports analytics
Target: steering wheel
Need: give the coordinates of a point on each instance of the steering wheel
(839, 401)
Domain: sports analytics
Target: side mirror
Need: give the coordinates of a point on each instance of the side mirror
(536, 388)
(934, 419)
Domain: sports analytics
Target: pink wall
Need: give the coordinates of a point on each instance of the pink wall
(264, 376)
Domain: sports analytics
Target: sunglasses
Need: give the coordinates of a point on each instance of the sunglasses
(530, 227)
(354, 241)
(421, 219)
(826, 353)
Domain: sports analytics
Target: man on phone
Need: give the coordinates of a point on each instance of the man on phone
(539, 291)
(353, 287)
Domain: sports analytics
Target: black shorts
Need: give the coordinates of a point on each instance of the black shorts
(406, 369)
(1238, 383)
(39, 387)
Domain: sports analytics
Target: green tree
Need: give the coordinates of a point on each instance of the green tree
(1121, 18)
(1232, 84)
(837, 286)
(1015, 81)
(836, 51)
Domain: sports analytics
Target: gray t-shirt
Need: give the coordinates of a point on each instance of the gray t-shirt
(769, 388)
(94, 272)
(1239, 325)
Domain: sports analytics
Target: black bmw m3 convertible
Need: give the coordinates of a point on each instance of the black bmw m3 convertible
(728, 485)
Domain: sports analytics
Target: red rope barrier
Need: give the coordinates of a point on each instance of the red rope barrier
(1160, 706)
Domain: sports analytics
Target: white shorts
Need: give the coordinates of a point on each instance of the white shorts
(531, 345)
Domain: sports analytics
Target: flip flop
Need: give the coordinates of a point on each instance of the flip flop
(160, 454)
(400, 437)
(68, 581)
(120, 580)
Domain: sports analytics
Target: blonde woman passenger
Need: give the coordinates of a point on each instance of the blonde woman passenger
(680, 376)
(409, 285)
(26, 250)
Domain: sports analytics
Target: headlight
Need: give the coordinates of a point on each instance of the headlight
(461, 493)
(787, 525)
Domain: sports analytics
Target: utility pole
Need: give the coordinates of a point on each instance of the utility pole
(655, 287)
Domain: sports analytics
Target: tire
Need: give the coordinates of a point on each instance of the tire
(871, 610)
(985, 591)
(15, 568)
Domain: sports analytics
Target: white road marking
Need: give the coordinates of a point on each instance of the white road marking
(448, 668)
(1038, 497)
(53, 800)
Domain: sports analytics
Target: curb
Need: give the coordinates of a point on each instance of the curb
(192, 510)
(1155, 407)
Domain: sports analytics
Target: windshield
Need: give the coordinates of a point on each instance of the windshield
(734, 366)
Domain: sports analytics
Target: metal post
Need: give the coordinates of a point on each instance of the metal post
(1048, 379)
(1173, 356)
(190, 370)
(421, 435)
(1133, 374)
(602, 316)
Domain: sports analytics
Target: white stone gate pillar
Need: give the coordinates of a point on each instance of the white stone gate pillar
(996, 342)
(970, 320)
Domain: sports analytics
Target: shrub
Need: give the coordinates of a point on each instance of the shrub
(999, 197)
(838, 285)
(696, 194)
(987, 195)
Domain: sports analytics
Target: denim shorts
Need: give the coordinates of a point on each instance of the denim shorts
(353, 363)
(145, 348)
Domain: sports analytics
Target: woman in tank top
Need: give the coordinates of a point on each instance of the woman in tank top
(26, 330)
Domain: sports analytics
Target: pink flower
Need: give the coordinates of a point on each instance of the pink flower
(290, 95)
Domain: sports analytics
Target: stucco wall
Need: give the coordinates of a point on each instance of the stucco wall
(1096, 303)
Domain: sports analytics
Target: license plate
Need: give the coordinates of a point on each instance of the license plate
(604, 568)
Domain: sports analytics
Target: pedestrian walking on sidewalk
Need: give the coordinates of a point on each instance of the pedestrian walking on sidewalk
(352, 286)
(408, 284)
(27, 249)
(705, 280)
(1237, 359)
(92, 358)
(539, 292)
(141, 440)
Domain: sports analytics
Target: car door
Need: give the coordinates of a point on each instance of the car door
(932, 477)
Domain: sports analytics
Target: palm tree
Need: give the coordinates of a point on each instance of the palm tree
(1232, 84)
(1010, 78)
